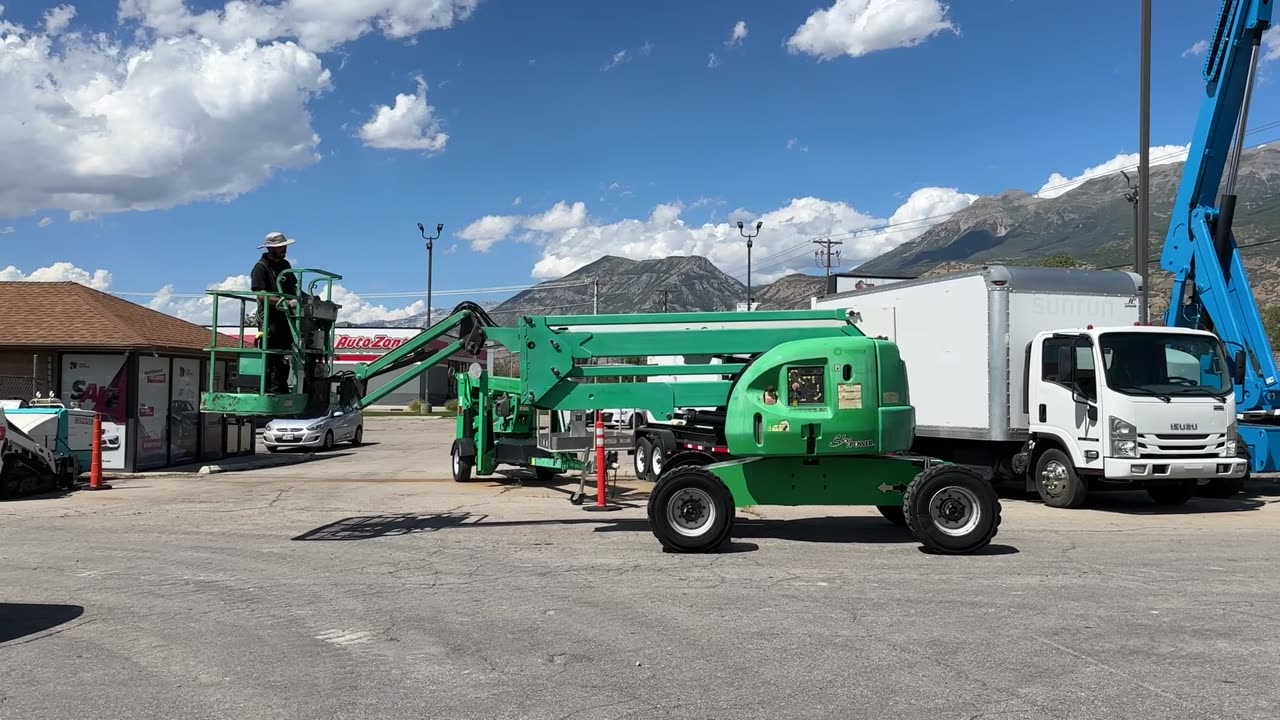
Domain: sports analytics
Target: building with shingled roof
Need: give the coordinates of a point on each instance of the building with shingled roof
(142, 369)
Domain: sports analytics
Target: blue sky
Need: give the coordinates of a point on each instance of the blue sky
(535, 149)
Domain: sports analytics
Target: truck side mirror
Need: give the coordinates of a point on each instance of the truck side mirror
(1067, 366)
(1238, 369)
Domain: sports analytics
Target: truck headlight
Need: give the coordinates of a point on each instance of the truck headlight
(1229, 447)
(1124, 438)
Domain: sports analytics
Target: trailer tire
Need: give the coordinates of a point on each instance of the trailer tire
(640, 458)
(1065, 489)
(657, 457)
(691, 510)
(952, 510)
(461, 465)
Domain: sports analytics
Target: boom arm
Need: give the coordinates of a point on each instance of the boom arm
(1210, 287)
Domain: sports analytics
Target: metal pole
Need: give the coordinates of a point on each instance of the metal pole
(749, 237)
(1143, 238)
(595, 297)
(430, 252)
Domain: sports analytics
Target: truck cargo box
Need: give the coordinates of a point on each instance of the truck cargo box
(964, 336)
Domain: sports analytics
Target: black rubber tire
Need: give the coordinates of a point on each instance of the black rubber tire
(1174, 493)
(358, 438)
(328, 440)
(969, 491)
(657, 458)
(1075, 492)
(460, 466)
(894, 514)
(640, 459)
(721, 509)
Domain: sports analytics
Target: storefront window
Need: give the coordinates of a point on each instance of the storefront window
(184, 411)
(153, 411)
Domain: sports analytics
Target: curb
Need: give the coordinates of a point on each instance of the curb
(213, 469)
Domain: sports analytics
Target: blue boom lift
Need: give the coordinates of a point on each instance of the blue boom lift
(1210, 287)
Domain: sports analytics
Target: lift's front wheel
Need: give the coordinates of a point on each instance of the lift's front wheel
(952, 509)
(461, 465)
(690, 510)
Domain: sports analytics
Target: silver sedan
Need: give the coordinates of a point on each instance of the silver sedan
(342, 425)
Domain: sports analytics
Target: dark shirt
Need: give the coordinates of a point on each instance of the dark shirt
(265, 274)
(264, 278)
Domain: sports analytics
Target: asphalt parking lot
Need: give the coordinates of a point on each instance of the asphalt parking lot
(366, 584)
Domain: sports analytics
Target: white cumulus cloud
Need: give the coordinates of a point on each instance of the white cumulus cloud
(59, 272)
(1198, 48)
(1058, 184)
(738, 34)
(860, 27)
(318, 25)
(410, 125)
(575, 239)
(489, 230)
(185, 106)
(57, 19)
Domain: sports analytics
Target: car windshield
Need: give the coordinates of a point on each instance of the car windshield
(1163, 364)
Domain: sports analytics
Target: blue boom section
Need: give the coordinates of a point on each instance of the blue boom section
(1210, 287)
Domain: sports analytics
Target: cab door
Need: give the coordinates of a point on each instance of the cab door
(1064, 402)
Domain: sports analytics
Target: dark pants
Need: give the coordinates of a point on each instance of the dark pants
(278, 338)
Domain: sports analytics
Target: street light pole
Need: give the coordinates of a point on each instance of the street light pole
(430, 248)
(749, 237)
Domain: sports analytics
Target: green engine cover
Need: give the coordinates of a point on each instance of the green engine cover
(822, 396)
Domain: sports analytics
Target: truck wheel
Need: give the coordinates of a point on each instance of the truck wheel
(691, 510)
(894, 514)
(461, 465)
(656, 457)
(1058, 482)
(1174, 493)
(951, 509)
(640, 459)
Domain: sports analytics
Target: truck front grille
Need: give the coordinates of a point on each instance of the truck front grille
(1177, 445)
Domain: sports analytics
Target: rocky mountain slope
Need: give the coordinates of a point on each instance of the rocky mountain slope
(619, 285)
(1092, 222)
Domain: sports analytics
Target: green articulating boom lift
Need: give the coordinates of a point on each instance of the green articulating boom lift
(813, 411)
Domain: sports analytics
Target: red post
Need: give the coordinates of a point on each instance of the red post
(95, 462)
(601, 469)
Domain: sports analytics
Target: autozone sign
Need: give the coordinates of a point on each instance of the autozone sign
(380, 342)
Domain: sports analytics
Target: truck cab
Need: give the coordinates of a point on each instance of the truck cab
(1129, 407)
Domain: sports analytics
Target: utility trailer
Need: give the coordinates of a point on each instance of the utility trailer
(836, 431)
(992, 390)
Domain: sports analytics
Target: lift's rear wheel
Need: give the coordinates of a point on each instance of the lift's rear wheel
(461, 465)
(656, 457)
(690, 510)
(952, 509)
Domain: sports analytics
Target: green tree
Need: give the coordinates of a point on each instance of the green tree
(1058, 261)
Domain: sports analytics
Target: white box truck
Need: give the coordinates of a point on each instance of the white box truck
(1043, 375)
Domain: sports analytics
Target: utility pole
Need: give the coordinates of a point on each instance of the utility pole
(430, 247)
(749, 237)
(595, 297)
(1144, 162)
(664, 292)
(818, 255)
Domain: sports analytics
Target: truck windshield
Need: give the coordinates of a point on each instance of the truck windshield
(1159, 364)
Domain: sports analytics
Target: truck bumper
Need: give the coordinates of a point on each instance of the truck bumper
(1165, 469)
